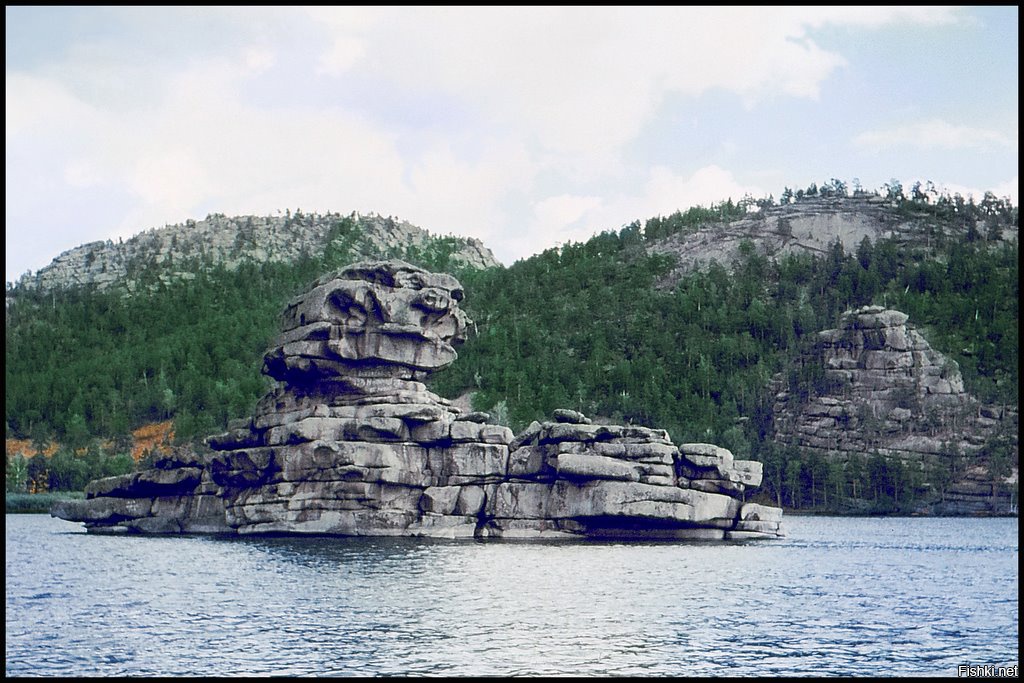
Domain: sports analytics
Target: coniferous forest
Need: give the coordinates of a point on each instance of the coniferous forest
(595, 326)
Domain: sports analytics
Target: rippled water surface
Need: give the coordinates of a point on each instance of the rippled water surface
(838, 596)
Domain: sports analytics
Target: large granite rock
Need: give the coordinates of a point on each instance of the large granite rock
(351, 442)
(886, 390)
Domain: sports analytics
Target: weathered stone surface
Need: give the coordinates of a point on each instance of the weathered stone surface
(570, 416)
(242, 467)
(753, 512)
(572, 465)
(232, 240)
(440, 499)
(529, 462)
(378, 313)
(613, 500)
(887, 391)
(471, 500)
(749, 472)
(236, 438)
(476, 460)
(206, 516)
(109, 486)
(530, 435)
(706, 455)
(339, 429)
(473, 431)
(146, 483)
(640, 452)
(179, 457)
(352, 443)
(155, 525)
(809, 227)
(102, 509)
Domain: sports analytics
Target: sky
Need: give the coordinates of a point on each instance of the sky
(526, 127)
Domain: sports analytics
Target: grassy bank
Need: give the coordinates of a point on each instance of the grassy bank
(38, 502)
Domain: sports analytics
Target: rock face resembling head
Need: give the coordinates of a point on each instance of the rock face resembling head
(374, 319)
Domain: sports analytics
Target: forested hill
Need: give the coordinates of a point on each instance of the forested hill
(595, 326)
(168, 326)
(813, 224)
(622, 327)
(180, 251)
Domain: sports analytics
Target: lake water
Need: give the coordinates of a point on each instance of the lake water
(837, 597)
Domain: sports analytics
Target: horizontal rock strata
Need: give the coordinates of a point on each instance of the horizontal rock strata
(886, 390)
(351, 442)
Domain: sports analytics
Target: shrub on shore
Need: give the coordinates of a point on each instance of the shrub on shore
(21, 503)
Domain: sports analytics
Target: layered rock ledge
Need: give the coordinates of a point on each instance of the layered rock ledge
(883, 389)
(351, 442)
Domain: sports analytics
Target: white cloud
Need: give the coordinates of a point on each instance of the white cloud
(667, 192)
(446, 192)
(555, 215)
(510, 124)
(875, 16)
(934, 134)
(583, 81)
(347, 27)
(574, 218)
(239, 160)
(43, 107)
(259, 59)
(1010, 189)
(81, 173)
(205, 147)
(343, 55)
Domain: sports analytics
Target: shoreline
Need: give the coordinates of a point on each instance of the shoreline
(39, 503)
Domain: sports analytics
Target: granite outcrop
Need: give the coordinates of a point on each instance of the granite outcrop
(352, 442)
(180, 251)
(809, 226)
(883, 389)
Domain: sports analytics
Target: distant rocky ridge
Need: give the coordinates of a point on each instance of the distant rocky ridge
(884, 389)
(174, 251)
(351, 442)
(810, 225)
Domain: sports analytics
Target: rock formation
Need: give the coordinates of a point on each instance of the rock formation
(885, 389)
(179, 251)
(351, 442)
(808, 226)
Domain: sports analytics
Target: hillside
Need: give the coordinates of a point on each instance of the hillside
(178, 251)
(684, 322)
(172, 323)
(812, 225)
(687, 322)
(881, 389)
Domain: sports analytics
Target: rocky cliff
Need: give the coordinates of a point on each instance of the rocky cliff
(810, 225)
(177, 251)
(882, 388)
(351, 442)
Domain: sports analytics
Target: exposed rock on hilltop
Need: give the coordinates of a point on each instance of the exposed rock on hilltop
(810, 225)
(351, 442)
(882, 388)
(176, 250)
